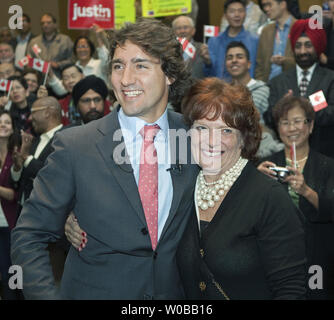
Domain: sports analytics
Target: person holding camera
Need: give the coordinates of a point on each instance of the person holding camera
(310, 183)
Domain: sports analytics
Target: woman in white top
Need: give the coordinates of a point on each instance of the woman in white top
(83, 50)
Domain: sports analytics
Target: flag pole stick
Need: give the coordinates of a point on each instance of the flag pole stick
(46, 75)
(10, 88)
(204, 34)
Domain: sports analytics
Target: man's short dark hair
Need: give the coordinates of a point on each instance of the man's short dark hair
(228, 2)
(238, 44)
(70, 65)
(158, 41)
(50, 15)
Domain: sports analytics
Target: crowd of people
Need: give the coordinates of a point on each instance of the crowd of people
(96, 188)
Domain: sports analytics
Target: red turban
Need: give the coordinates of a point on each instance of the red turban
(317, 36)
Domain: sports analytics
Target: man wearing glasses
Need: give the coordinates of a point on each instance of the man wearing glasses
(89, 97)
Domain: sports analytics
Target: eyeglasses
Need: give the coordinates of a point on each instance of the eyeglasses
(82, 47)
(297, 123)
(37, 109)
(89, 100)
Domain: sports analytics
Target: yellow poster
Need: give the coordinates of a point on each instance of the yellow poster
(124, 12)
(161, 8)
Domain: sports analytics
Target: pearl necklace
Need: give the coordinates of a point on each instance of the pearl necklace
(297, 161)
(210, 192)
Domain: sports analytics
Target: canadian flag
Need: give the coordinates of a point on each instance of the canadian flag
(39, 65)
(187, 47)
(5, 85)
(211, 31)
(37, 50)
(318, 100)
(24, 61)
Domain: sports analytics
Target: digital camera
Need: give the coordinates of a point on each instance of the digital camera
(281, 173)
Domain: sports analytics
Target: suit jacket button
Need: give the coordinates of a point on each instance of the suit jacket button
(155, 254)
(202, 286)
(144, 231)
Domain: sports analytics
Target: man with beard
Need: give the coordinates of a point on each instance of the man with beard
(89, 97)
(306, 79)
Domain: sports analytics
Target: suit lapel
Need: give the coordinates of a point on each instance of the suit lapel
(292, 82)
(178, 174)
(112, 149)
(314, 86)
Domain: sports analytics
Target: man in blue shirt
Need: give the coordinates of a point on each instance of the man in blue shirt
(235, 13)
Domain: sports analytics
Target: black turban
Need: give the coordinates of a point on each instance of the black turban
(89, 82)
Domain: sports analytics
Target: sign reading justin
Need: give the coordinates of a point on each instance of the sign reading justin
(82, 14)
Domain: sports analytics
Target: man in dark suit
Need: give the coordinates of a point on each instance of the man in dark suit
(100, 171)
(305, 80)
(46, 121)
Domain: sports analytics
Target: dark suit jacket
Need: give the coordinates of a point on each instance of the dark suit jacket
(254, 246)
(322, 79)
(29, 173)
(319, 175)
(197, 64)
(86, 173)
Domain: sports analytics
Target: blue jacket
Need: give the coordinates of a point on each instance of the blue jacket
(217, 49)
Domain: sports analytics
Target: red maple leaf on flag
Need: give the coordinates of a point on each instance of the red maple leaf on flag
(317, 98)
(38, 64)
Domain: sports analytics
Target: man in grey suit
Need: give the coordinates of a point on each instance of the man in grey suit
(306, 79)
(95, 171)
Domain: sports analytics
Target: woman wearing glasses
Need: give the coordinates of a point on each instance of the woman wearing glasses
(311, 187)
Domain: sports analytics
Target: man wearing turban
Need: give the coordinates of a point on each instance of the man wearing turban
(306, 79)
(89, 97)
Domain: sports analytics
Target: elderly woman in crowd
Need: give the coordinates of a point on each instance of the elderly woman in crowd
(310, 184)
(84, 50)
(8, 201)
(239, 244)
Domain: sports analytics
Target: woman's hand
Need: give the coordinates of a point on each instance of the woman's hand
(296, 181)
(298, 184)
(74, 234)
(42, 92)
(264, 168)
(3, 101)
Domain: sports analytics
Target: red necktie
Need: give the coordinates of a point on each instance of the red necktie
(148, 181)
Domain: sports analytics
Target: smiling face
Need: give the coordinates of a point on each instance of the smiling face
(32, 81)
(82, 50)
(183, 27)
(237, 63)
(6, 126)
(140, 85)
(305, 53)
(235, 14)
(71, 76)
(294, 127)
(216, 147)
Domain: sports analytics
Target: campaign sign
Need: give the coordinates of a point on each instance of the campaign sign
(82, 14)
